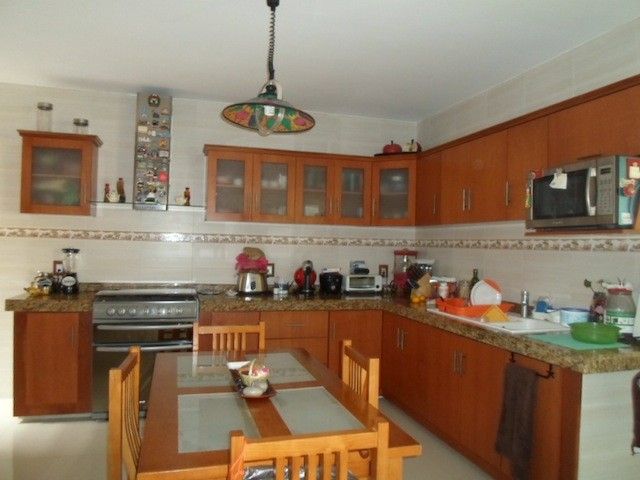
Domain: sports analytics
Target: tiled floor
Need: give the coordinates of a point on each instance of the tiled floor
(70, 450)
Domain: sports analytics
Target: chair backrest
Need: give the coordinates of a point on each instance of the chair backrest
(124, 417)
(229, 338)
(328, 450)
(361, 373)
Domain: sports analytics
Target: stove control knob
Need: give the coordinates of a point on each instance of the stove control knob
(179, 310)
(122, 311)
(132, 311)
(146, 311)
(111, 311)
(154, 311)
(163, 311)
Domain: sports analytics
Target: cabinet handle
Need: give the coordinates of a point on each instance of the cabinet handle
(463, 361)
(434, 203)
(402, 337)
(73, 336)
(295, 324)
(455, 362)
(330, 207)
(255, 202)
(373, 208)
(464, 199)
(507, 194)
(398, 334)
(333, 331)
(469, 200)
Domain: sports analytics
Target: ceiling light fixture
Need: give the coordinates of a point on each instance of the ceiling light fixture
(268, 113)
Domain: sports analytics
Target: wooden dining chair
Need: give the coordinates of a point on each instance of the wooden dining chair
(330, 451)
(124, 417)
(361, 373)
(229, 338)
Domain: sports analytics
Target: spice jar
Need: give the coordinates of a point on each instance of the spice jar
(81, 126)
(44, 118)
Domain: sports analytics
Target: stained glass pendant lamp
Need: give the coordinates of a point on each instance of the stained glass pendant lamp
(268, 113)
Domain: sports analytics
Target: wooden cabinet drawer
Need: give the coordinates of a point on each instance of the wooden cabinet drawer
(296, 324)
(317, 347)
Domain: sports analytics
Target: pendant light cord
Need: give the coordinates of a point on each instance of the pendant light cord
(272, 36)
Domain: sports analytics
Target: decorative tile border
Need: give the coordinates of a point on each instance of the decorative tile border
(606, 244)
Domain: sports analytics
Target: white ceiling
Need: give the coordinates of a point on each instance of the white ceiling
(397, 59)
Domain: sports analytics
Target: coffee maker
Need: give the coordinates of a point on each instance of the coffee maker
(305, 277)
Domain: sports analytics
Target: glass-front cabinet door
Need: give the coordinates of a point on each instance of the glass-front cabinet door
(58, 172)
(353, 192)
(314, 190)
(274, 188)
(228, 185)
(394, 192)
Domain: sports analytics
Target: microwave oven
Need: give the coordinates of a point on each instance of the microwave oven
(363, 284)
(598, 192)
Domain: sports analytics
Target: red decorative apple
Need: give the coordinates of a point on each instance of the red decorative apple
(391, 148)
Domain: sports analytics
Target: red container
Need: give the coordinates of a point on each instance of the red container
(460, 306)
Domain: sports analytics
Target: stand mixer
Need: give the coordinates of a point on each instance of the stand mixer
(305, 277)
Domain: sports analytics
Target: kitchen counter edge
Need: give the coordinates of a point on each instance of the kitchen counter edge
(585, 362)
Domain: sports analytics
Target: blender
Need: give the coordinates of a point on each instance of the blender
(402, 260)
(69, 281)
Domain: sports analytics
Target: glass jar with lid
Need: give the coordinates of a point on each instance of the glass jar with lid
(621, 309)
(44, 118)
(81, 126)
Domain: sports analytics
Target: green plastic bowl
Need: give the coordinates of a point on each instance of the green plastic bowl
(592, 332)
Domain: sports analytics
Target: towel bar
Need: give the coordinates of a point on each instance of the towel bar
(550, 373)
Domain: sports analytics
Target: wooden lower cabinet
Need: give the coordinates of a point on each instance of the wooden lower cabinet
(52, 363)
(298, 329)
(403, 369)
(464, 393)
(362, 327)
(454, 386)
(556, 423)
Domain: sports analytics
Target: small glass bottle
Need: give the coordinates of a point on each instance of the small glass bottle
(474, 279)
(44, 117)
(81, 126)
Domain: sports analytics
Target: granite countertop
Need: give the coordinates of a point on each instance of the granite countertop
(583, 361)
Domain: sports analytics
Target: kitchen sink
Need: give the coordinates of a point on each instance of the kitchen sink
(516, 325)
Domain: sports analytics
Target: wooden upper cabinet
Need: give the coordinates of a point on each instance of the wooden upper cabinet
(352, 196)
(454, 184)
(526, 151)
(229, 176)
(606, 125)
(273, 188)
(249, 184)
(314, 190)
(428, 194)
(487, 175)
(393, 191)
(59, 172)
(473, 180)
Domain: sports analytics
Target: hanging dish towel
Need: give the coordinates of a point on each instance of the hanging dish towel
(515, 433)
(635, 397)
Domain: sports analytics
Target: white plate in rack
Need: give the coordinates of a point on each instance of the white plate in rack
(486, 292)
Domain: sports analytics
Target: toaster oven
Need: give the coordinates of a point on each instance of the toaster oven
(363, 284)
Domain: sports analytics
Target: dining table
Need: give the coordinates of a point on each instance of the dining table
(196, 400)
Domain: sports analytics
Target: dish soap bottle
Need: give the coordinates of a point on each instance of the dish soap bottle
(474, 279)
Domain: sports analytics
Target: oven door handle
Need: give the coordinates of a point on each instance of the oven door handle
(154, 348)
(161, 326)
